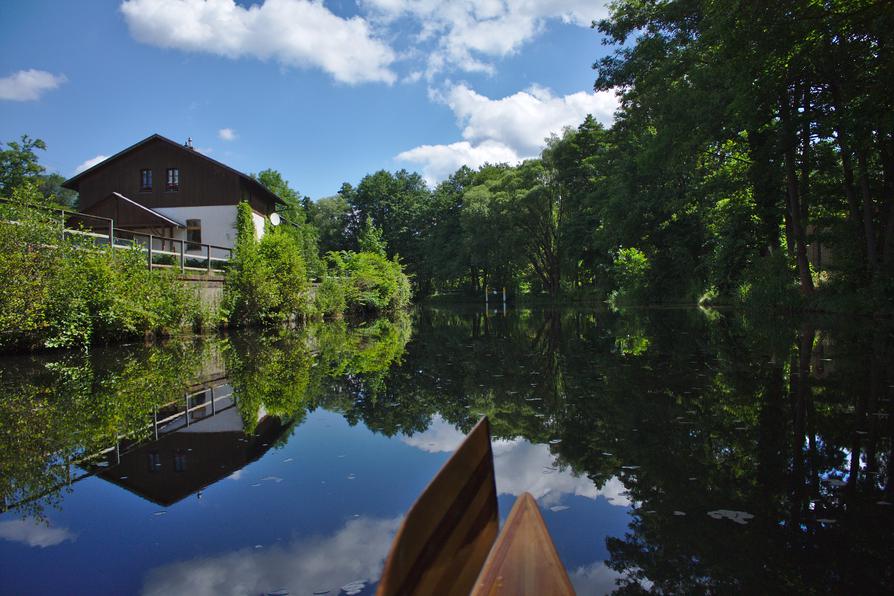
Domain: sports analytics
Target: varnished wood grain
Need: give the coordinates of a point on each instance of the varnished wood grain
(524, 559)
(447, 534)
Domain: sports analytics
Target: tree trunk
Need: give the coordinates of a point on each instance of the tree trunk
(795, 208)
(868, 225)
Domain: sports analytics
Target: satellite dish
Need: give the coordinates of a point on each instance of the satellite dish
(275, 219)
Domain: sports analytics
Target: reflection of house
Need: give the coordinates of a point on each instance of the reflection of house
(192, 452)
(163, 188)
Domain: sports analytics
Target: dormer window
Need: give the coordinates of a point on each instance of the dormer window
(173, 179)
(145, 180)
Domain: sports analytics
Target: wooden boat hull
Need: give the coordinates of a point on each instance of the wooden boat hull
(445, 544)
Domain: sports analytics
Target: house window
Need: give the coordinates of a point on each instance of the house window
(145, 179)
(193, 234)
(173, 179)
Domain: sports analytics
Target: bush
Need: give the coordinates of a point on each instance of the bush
(369, 282)
(631, 273)
(330, 298)
(65, 292)
(266, 281)
(769, 284)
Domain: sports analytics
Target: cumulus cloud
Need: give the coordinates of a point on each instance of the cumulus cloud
(29, 85)
(354, 554)
(299, 33)
(508, 129)
(86, 165)
(226, 134)
(465, 34)
(29, 532)
(521, 466)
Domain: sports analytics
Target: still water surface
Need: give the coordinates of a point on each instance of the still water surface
(674, 451)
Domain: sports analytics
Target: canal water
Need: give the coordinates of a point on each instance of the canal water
(675, 451)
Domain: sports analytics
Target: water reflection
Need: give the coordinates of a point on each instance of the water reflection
(346, 561)
(674, 451)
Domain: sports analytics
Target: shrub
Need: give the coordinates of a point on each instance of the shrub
(769, 284)
(370, 283)
(65, 292)
(266, 280)
(330, 297)
(631, 273)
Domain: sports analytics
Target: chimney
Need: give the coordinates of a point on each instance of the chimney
(188, 143)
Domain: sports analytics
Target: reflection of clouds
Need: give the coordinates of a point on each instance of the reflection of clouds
(356, 552)
(599, 578)
(522, 466)
(439, 437)
(32, 533)
(595, 578)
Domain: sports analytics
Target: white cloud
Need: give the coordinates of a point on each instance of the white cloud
(439, 161)
(521, 466)
(299, 33)
(34, 534)
(226, 134)
(28, 85)
(355, 553)
(509, 129)
(86, 165)
(465, 33)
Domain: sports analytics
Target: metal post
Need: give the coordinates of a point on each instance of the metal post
(182, 258)
(485, 297)
(212, 402)
(150, 251)
(187, 409)
(155, 422)
(208, 251)
(111, 233)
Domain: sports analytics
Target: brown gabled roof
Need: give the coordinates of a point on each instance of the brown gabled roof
(74, 182)
(147, 216)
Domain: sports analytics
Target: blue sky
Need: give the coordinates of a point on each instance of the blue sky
(324, 92)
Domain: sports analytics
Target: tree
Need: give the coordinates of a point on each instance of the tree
(18, 162)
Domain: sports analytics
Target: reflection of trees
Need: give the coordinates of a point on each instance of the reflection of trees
(784, 420)
(694, 414)
(60, 409)
(269, 375)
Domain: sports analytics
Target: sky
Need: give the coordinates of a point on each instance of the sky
(323, 91)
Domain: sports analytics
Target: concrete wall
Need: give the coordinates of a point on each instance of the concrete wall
(209, 288)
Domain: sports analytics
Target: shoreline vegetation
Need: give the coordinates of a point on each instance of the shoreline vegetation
(750, 163)
(62, 291)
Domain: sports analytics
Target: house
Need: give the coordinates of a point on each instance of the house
(169, 189)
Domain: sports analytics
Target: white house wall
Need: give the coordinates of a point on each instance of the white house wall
(218, 222)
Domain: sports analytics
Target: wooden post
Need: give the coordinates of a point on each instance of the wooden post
(150, 251)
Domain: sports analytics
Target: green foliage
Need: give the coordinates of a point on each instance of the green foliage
(19, 163)
(366, 283)
(330, 299)
(64, 292)
(769, 285)
(370, 238)
(266, 281)
(631, 273)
